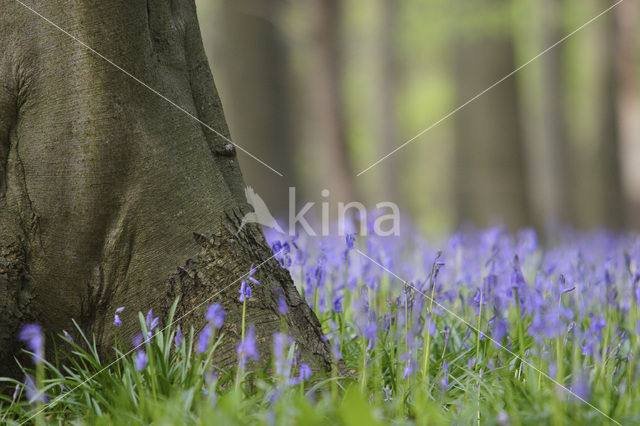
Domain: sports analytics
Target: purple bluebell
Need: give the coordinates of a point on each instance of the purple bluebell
(151, 321)
(580, 385)
(280, 340)
(67, 336)
(247, 348)
(350, 239)
(215, 315)
(337, 303)
(32, 391)
(204, 339)
(387, 394)
(409, 367)
(304, 375)
(335, 349)
(471, 362)
(179, 337)
(116, 318)
(31, 335)
(283, 308)
(591, 337)
(140, 360)
(445, 380)
(499, 331)
(137, 340)
(251, 277)
(245, 291)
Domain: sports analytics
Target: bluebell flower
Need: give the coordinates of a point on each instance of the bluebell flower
(499, 331)
(251, 277)
(283, 308)
(337, 304)
(204, 339)
(31, 335)
(247, 348)
(351, 239)
(280, 340)
(304, 375)
(152, 322)
(471, 362)
(214, 399)
(409, 367)
(387, 394)
(580, 385)
(140, 360)
(178, 338)
(32, 391)
(67, 336)
(117, 321)
(335, 349)
(116, 318)
(215, 315)
(245, 291)
(445, 380)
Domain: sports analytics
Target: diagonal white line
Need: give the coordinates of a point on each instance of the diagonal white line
(465, 322)
(175, 321)
(151, 89)
(562, 40)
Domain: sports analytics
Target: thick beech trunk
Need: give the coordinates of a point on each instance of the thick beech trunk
(109, 195)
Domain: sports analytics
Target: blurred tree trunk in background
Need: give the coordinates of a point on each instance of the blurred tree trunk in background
(332, 166)
(608, 153)
(253, 70)
(628, 106)
(490, 166)
(551, 186)
(386, 107)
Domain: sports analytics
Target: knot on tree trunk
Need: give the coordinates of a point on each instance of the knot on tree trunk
(215, 276)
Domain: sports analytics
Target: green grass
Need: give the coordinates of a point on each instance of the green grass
(176, 387)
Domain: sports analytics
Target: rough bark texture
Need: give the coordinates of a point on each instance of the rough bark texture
(110, 196)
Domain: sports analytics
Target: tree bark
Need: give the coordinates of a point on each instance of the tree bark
(111, 196)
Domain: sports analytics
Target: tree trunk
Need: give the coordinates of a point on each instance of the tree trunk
(608, 152)
(386, 122)
(111, 196)
(490, 166)
(628, 107)
(330, 139)
(552, 181)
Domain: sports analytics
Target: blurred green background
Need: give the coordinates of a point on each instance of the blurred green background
(321, 89)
